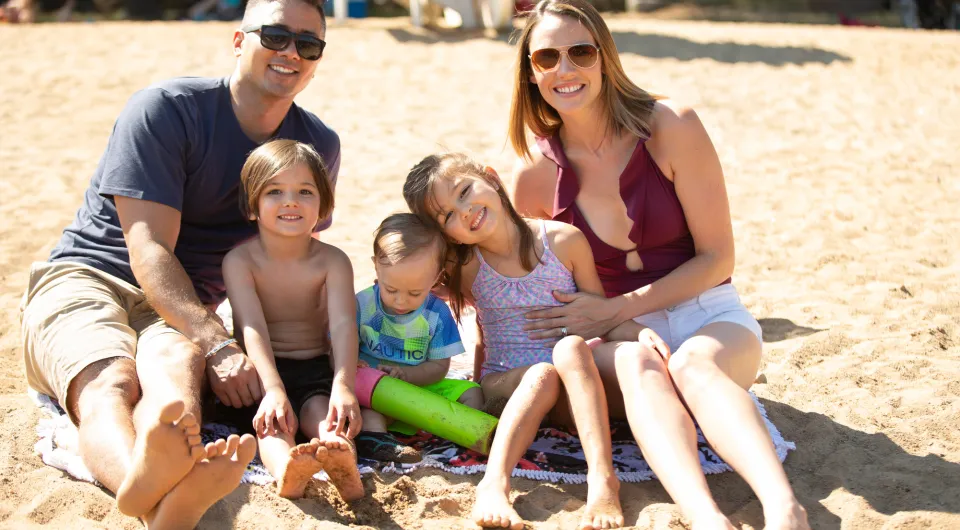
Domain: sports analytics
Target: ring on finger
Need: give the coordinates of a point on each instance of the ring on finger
(563, 331)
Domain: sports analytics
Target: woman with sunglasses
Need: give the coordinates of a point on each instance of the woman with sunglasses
(640, 177)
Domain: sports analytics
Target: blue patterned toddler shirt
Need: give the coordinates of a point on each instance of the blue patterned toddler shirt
(426, 334)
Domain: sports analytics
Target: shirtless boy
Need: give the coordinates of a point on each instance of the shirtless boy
(275, 284)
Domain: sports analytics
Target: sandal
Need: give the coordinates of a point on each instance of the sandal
(385, 447)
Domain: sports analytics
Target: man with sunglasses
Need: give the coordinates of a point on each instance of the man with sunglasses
(125, 304)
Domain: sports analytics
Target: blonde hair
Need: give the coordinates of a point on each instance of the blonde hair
(273, 157)
(418, 192)
(626, 106)
(402, 235)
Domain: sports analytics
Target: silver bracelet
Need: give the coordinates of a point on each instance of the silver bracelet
(219, 347)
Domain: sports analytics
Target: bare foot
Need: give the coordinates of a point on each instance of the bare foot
(338, 458)
(603, 504)
(492, 508)
(301, 467)
(209, 481)
(790, 516)
(165, 451)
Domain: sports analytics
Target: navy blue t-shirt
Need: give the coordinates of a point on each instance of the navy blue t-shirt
(179, 143)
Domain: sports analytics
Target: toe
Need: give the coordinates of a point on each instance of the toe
(247, 448)
(194, 440)
(197, 452)
(189, 429)
(171, 412)
(232, 442)
(188, 422)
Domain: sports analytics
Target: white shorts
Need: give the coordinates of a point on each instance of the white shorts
(678, 323)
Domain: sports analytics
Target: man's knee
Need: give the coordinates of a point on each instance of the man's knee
(113, 379)
(571, 353)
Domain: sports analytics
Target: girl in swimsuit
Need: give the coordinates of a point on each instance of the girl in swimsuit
(506, 266)
(640, 178)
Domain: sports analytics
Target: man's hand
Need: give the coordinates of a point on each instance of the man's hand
(275, 411)
(344, 409)
(233, 378)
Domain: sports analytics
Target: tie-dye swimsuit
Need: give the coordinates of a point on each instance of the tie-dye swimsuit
(502, 302)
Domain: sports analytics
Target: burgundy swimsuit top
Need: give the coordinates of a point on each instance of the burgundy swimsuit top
(660, 233)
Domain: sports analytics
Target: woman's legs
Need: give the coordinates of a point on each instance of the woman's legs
(574, 363)
(712, 371)
(529, 401)
(661, 425)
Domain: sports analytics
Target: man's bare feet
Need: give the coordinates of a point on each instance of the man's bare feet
(301, 467)
(209, 481)
(603, 504)
(338, 458)
(165, 451)
(492, 508)
(789, 516)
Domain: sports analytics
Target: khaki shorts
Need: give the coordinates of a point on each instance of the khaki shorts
(72, 316)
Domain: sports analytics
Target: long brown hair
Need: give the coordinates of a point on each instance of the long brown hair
(418, 192)
(627, 107)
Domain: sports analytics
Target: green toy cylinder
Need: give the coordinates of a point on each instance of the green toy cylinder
(435, 414)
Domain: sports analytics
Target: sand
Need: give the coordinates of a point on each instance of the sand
(839, 147)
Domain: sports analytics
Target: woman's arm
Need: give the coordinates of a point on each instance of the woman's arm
(698, 178)
(249, 322)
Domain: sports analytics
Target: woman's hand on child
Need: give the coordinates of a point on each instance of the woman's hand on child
(275, 411)
(344, 414)
(584, 314)
(649, 337)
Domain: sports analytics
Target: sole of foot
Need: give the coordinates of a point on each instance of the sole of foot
(338, 458)
(164, 452)
(212, 479)
(301, 467)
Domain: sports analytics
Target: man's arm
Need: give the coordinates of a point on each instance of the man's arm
(151, 230)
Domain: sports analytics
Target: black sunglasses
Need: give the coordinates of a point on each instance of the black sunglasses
(277, 38)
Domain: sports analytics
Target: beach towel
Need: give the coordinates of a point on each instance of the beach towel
(554, 456)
